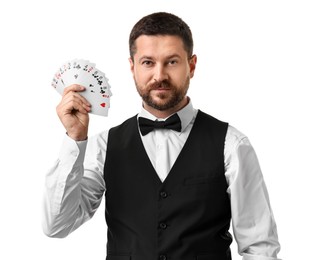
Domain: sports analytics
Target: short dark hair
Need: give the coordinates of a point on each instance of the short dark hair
(161, 23)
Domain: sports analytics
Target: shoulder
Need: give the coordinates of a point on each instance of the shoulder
(97, 143)
(205, 116)
(235, 140)
(233, 135)
(130, 122)
(101, 139)
(211, 123)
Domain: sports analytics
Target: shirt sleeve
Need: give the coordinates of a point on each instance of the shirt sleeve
(74, 186)
(253, 222)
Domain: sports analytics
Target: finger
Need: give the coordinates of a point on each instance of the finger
(74, 88)
(74, 105)
(73, 94)
(67, 100)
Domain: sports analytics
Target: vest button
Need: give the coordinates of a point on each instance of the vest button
(163, 257)
(163, 225)
(163, 194)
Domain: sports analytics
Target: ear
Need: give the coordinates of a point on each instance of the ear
(131, 65)
(192, 65)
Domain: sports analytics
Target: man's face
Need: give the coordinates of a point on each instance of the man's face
(162, 71)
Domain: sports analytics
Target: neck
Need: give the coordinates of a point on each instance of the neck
(166, 113)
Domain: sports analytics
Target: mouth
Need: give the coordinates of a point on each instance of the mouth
(161, 90)
(161, 86)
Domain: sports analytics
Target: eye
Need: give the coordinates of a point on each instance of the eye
(173, 62)
(147, 63)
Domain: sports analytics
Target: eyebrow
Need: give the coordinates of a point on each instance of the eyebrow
(167, 57)
(145, 58)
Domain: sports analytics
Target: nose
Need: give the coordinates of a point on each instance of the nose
(160, 73)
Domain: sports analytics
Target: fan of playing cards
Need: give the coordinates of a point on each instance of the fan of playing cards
(82, 72)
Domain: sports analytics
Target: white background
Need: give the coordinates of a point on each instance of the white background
(255, 69)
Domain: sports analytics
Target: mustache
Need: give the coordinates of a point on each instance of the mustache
(160, 84)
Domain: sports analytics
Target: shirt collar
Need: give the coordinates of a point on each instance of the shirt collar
(186, 115)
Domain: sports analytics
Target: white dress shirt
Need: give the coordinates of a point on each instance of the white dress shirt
(75, 185)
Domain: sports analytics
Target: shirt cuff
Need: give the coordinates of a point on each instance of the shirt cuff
(72, 152)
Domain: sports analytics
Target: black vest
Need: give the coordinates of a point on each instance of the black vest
(186, 217)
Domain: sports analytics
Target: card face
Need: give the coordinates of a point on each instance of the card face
(84, 73)
(58, 82)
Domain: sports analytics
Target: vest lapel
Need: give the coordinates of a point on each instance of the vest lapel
(145, 156)
(184, 156)
(141, 153)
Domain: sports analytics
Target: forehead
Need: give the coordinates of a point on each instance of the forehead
(159, 45)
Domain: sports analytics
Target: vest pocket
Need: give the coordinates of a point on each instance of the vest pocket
(201, 180)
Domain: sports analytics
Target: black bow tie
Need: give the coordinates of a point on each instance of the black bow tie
(147, 125)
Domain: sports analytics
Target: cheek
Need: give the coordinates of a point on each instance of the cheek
(142, 77)
(180, 76)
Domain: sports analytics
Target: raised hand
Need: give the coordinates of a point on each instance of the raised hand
(73, 112)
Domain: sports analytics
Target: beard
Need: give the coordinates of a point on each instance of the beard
(163, 101)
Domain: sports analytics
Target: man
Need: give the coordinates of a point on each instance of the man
(173, 176)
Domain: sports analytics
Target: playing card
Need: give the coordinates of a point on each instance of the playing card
(84, 73)
(58, 83)
(72, 69)
(96, 86)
